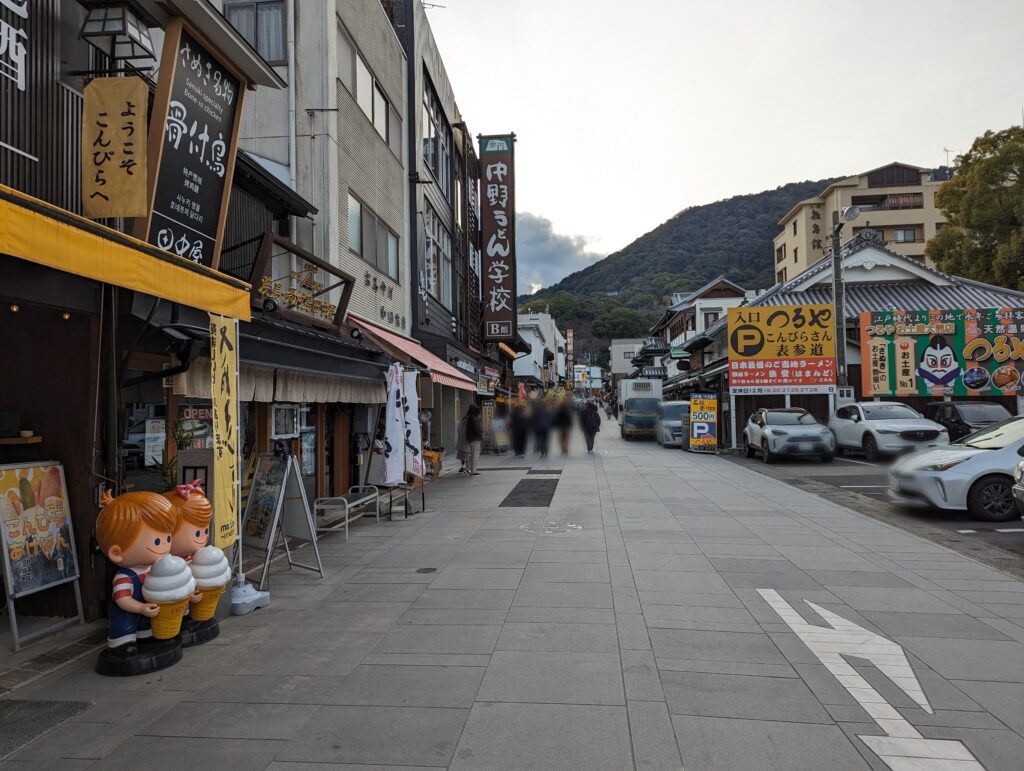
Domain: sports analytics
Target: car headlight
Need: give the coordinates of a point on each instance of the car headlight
(1018, 473)
(775, 432)
(946, 466)
(887, 431)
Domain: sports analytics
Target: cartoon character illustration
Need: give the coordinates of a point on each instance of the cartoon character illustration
(193, 513)
(938, 365)
(134, 530)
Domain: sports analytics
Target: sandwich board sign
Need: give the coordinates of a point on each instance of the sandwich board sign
(277, 509)
(703, 423)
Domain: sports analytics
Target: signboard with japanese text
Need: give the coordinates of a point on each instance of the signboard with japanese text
(224, 391)
(570, 334)
(959, 352)
(782, 349)
(703, 423)
(193, 132)
(22, 49)
(498, 234)
(114, 158)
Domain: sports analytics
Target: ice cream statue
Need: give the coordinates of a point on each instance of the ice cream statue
(134, 531)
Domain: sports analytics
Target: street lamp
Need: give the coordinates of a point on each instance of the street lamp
(848, 214)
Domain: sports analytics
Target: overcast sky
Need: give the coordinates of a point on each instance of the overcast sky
(627, 111)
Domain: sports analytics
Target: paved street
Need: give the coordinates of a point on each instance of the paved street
(700, 614)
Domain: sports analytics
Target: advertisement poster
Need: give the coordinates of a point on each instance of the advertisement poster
(267, 481)
(224, 428)
(703, 423)
(782, 349)
(960, 352)
(39, 549)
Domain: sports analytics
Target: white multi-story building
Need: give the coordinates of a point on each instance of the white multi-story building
(622, 351)
(545, 364)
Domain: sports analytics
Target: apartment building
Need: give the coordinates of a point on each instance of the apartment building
(897, 200)
(621, 353)
(545, 364)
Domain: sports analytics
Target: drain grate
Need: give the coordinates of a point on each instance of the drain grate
(551, 528)
(545, 471)
(531, 492)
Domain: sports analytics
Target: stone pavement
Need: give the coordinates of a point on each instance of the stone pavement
(704, 615)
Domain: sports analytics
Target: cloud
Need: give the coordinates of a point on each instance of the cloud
(544, 257)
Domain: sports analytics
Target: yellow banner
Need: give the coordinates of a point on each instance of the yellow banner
(224, 392)
(781, 331)
(114, 162)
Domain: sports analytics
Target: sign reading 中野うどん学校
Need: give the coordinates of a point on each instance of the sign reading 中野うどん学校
(782, 349)
(498, 233)
(960, 352)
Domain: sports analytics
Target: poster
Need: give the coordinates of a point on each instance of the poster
(267, 481)
(498, 234)
(155, 442)
(114, 158)
(703, 422)
(782, 349)
(958, 352)
(39, 550)
(224, 428)
(195, 422)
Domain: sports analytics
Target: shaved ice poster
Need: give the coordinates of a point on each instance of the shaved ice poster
(963, 352)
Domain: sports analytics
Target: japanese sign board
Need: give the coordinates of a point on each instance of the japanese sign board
(18, 51)
(570, 335)
(114, 159)
(193, 132)
(782, 349)
(224, 391)
(703, 423)
(961, 352)
(498, 229)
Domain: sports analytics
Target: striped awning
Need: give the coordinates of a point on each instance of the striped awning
(441, 372)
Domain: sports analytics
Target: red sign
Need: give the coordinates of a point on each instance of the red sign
(498, 214)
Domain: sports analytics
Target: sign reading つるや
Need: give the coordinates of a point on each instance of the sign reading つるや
(498, 233)
(782, 349)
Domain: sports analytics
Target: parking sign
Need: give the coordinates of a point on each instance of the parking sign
(703, 423)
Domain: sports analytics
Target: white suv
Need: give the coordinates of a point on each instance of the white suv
(884, 428)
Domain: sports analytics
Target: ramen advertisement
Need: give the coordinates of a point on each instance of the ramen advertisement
(37, 541)
(963, 352)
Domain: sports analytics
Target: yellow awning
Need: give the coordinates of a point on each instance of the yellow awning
(39, 232)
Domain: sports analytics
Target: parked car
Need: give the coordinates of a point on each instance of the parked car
(787, 431)
(975, 473)
(963, 418)
(669, 428)
(884, 428)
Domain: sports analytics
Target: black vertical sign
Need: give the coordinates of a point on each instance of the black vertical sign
(498, 233)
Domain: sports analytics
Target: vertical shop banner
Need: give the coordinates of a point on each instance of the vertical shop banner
(570, 353)
(703, 423)
(782, 349)
(498, 234)
(394, 428)
(958, 352)
(224, 395)
(413, 439)
(193, 135)
(114, 157)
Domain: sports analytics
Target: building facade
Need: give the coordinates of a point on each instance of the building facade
(897, 200)
(622, 351)
(544, 365)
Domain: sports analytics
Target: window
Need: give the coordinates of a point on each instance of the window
(796, 254)
(710, 318)
(380, 113)
(906, 235)
(371, 239)
(780, 253)
(438, 257)
(364, 87)
(346, 61)
(781, 276)
(437, 140)
(938, 226)
(794, 227)
(627, 355)
(354, 73)
(262, 24)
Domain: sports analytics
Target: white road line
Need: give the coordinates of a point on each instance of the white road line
(856, 487)
(1010, 530)
(967, 531)
(861, 462)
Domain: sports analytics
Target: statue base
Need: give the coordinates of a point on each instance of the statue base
(198, 632)
(151, 656)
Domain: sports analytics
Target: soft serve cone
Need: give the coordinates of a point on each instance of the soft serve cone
(212, 573)
(170, 585)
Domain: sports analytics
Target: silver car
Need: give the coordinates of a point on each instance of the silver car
(787, 432)
(669, 428)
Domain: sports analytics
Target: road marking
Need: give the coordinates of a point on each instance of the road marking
(903, 747)
(861, 462)
(856, 487)
(967, 531)
(995, 530)
(1010, 530)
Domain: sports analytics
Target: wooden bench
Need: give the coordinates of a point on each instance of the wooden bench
(353, 505)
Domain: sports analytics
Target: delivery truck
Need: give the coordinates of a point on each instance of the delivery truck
(638, 407)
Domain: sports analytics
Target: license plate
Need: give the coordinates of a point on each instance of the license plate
(805, 446)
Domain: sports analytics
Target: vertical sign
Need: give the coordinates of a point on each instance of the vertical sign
(394, 428)
(498, 233)
(114, 159)
(193, 133)
(703, 423)
(224, 393)
(413, 438)
(16, 50)
(569, 349)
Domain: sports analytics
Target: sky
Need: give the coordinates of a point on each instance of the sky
(628, 111)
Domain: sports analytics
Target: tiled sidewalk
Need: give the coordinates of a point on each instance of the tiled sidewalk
(455, 639)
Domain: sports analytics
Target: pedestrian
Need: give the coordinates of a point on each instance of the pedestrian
(520, 429)
(462, 449)
(590, 422)
(473, 433)
(541, 428)
(563, 422)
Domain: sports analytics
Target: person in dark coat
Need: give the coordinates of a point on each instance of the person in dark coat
(520, 430)
(563, 422)
(474, 438)
(541, 428)
(590, 422)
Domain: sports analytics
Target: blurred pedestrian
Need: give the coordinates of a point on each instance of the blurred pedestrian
(563, 422)
(541, 428)
(590, 422)
(520, 429)
(473, 434)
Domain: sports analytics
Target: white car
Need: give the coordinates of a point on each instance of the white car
(786, 431)
(884, 428)
(974, 473)
(669, 428)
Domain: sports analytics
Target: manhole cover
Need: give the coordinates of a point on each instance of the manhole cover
(551, 528)
(426, 570)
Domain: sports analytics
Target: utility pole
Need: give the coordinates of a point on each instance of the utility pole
(839, 299)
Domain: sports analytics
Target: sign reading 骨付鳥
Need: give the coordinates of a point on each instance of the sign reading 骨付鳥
(195, 134)
(498, 231)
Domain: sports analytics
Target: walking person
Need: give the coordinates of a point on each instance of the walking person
(473, 433)
(541, 428)
(520, 430)
(590, 422)
(563, 422)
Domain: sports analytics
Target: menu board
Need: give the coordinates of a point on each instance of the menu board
(196, 153)
(38, 545)
(264, 500)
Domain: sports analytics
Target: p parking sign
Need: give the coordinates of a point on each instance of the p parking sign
(703, 423)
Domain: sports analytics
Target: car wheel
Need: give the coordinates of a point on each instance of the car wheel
(828, 457)
(991, 499)
(747, 449)
(870, 447)
(766, 454)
